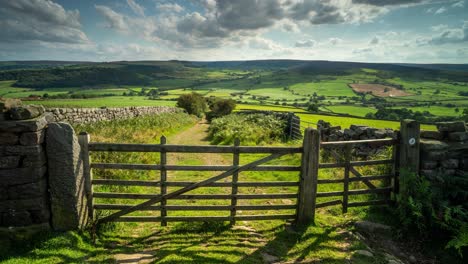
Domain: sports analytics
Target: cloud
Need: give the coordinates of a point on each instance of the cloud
(458, 4)
(265, 44)
(440, 10)
(305, 43)
(388, 2)
(115, 20)
(374, 41)
(138, 9)
(334, 41)
(35, 20)
(447, 36)
(168, 7)
(362, 50)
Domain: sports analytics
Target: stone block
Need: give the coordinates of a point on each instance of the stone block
(26, 112)
(433, 145)
(23, 125)
(435, 155)
(9, 162)
(8, 139)
(3, 194)
(28, 190)
(9, 177)
(21, 150)
(431, 134)
(450, 163)
(429, 165)
(24, 204)
(16, 218)
(40, 216)
(380, 134)
(458, 136)
(32, 138)
(464, 164)
(430, 174)
(66, 181)
(36, 160)
(458, 126)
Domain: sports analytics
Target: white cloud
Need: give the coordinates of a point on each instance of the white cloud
(35, 20)
(305, 43)
(335, 41)
(440, 10)
(138, 9)
(374, 41)
(170, 7)
(459, 4)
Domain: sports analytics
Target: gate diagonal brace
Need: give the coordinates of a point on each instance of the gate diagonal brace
(193, 186)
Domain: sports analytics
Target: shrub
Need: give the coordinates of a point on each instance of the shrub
(250, 129)
(435, 209)
(193, 103)
(220, 107)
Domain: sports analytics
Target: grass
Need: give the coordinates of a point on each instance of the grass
(112, 101)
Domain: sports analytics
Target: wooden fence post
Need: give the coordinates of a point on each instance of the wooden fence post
(163, 179)
(347, 156)
(305, 213)
(409, 145)
(83, 140)
(235, 178)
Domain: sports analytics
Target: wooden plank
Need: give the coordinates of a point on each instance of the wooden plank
(308, 179)
(198, 207)
(409, 145)
(330, 181)
(376, 190)
(83, 140)
(126, 182)
(329, 194)
(235, 179)
(110, 195)
(203, 218)
(124, 166)
(188, 188)
(359, 175)
(348, 149)
(120, 147)
(330, 203)
(378, 142)
(374, 202)
(183, 184)
(355, 163)
(396, 169)
(163, 179)
(371, 178)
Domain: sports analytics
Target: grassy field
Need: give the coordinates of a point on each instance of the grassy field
(113, 101)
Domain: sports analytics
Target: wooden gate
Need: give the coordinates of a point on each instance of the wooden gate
(302, 211)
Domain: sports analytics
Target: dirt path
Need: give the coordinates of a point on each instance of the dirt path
(196, 135)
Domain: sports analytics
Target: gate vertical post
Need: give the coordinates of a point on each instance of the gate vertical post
(305, 213)
(83, 140)
(235, 178)
(348, 150)
(409, 145)
(163, 162)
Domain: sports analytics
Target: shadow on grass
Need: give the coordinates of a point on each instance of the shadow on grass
(221, 243)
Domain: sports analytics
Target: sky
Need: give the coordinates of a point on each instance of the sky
(406, 31)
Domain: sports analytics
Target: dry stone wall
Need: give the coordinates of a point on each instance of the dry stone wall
(88, 115)
(445, 151)
(24, 198)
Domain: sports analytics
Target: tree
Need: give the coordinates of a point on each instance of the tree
(220, 107)
(193, 103)
(313, 108)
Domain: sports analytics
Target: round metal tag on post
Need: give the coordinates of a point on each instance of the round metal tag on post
(412, 141)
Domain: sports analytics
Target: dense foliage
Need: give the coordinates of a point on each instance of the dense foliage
(220, 107)
(435, 208)
(250, 129)
(193, 103)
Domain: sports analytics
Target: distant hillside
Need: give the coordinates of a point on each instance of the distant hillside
(50, 74)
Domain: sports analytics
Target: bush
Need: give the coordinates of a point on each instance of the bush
(193, 103)
(435, 209)
(220, 107)
(250, 129)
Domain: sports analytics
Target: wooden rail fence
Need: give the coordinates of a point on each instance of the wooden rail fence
(308, 180)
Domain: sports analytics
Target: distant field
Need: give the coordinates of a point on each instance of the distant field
(114, 101)
(378, 90)
(350, 109)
